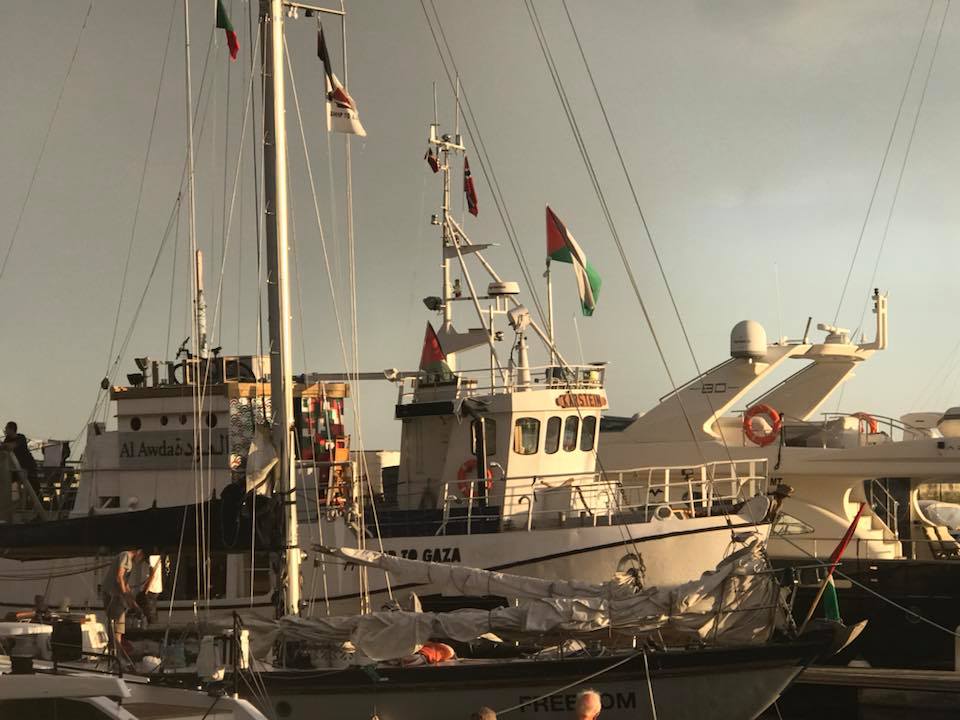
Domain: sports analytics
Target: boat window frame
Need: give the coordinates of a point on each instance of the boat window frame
(592, 420)
(551, 439)
(520, 432)
(576, 433)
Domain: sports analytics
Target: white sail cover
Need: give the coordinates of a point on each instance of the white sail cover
(736, 604)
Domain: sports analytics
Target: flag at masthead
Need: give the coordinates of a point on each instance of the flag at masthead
(342, 115)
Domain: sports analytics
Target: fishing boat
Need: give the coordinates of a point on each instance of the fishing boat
(498, 466)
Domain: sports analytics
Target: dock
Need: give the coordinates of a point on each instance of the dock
(940, 681)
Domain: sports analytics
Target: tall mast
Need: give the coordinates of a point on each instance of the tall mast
(199, 311)
(278, 286)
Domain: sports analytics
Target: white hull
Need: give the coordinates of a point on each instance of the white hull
(673, 551)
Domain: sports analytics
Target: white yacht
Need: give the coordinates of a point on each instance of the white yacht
(829, 466)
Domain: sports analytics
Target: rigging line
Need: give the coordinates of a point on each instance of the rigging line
(217, 317)
(473, 131)
(336, 306)
(585, 155)
(647, 232)
(173, 277)
(257, 182)
(903, 165)
(351, 244)
(871, 591)
(581, 144)
(226, 154)
(43, 144)
(103, 396)
(624, 528)
(143, 178)
(883, 163)
(202, 120)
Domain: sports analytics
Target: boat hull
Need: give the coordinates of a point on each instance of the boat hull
(673, 552)
(688, 685)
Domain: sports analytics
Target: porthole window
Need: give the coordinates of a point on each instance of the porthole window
(552, 442)
(183, 419)
(135, 423)
(526, 436)
(164, 419)
(589, 433)
(570, 428)
(211, 420)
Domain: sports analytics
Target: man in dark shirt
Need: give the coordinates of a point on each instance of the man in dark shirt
(17, 444)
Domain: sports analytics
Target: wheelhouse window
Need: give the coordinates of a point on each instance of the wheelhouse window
(489, 428)
(588, 435)
(552, 442)
(570, 428)
(526, 436)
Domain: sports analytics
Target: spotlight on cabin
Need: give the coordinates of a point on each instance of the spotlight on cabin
(135, 379)
(433, 303)
(142, 363)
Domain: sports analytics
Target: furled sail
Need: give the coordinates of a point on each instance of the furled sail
(736, 604)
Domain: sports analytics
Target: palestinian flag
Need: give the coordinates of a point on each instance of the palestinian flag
(223, 23)
(342, 115)
(433, 360)
(468, 189)
(561, 247)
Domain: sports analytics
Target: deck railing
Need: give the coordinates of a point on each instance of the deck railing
(480, 382)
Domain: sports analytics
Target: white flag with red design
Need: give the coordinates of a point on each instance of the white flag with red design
(342, 115)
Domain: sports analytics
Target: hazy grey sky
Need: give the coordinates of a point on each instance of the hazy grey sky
(753, 131)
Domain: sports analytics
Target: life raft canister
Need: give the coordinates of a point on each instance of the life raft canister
(467, 473)
(869, 419)
(757, 438)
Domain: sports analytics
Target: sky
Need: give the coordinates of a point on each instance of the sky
(754, 134)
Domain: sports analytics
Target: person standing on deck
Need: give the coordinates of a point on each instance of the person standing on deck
(118, 596)
(16, 442)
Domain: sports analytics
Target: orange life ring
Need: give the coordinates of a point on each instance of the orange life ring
(776, 424)
(869, 419)
(467, 473)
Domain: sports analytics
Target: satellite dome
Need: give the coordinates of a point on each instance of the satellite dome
(748, 339)
(949, 425)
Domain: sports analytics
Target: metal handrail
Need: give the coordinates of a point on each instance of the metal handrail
(891, 505)
(472, 382)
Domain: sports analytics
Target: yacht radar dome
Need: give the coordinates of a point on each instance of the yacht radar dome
(505, 287)
(748, 339)
(949, 425)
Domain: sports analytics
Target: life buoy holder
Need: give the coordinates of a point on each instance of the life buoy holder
(468, 473)
(757, 438)
(870, 420)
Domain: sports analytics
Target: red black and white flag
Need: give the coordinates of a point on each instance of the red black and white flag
(342, 115)
(432, 160)
(468, 189)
